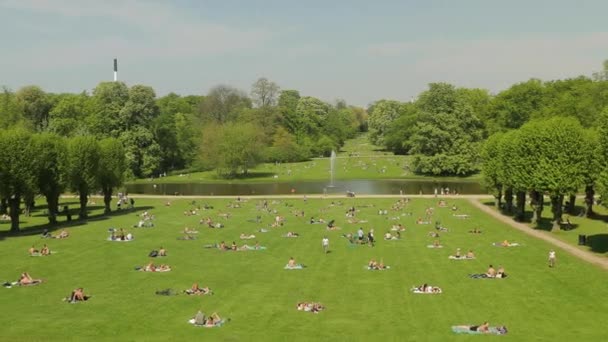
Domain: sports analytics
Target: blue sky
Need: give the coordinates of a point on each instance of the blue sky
(360, 51)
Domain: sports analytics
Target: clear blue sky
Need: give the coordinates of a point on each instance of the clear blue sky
(360, 51)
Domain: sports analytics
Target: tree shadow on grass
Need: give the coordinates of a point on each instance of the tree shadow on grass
(598, 243)
(63, 223)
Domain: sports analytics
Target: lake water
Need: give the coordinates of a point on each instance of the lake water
(375, 187)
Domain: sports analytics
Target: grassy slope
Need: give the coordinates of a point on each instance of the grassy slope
(535, 302)
(368, 163)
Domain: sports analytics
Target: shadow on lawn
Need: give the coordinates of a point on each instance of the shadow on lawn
(63, 223)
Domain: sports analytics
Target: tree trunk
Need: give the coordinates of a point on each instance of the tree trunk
(571, 204)
(536, 200)
(589, 194)
(3, 206)
(557, 202)
(83, 205)
(498, 198)
(53, 207)
(29, 204)
(15, 203)
(107, 199)
(509, 200)
(520, 199)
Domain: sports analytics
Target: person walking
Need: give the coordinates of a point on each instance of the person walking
(325, 244)
(552, 258)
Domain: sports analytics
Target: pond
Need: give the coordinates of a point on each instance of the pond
(360, 186)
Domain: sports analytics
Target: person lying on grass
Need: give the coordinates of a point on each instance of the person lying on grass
(77, 295)
(62, 235)
(376, 266)
(479, 329)
(426, 288)
(332, 225)
(421, 221)
(389, 236)
(255, 247)
(209, 322)
(398, 228)
(291, 235)
(244, 236)
(436, 244)
(150, 267)
(187, 237)
(190, 231)
(506, 243)
(196, 290)
(310, 307)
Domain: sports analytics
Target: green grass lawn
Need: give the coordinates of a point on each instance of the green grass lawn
(252, 288)
(596, 228)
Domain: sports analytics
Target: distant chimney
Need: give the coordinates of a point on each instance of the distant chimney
(115, 69)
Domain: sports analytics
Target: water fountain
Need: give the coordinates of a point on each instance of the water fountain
(332, 163)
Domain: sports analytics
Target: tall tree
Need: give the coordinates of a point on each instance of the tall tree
(224, 104)
(10, 111)
(264, 92)
(288, 103)
(108, 101)
(51, 169)
(17, 170)
(67, 118)
(112, 168)
(35, 105)
(83, 168)
(381, 117)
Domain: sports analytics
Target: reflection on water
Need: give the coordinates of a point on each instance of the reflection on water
(379, 187)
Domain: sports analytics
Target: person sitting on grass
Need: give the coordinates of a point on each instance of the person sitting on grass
(291, 264)
(436, 244)
(26, 279)
(196, 290)
(162, 252)
(45, 250)
(209, 322)
(233, 247)
(77, 296)
(33, 251)
(244, 236)
(190, 231)
(491, 272)
(500, 273)
(470, 255)
(421, 221)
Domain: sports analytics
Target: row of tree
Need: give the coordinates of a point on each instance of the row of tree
(48, 164)
(445, 126)
(186, 132)
(554, 157)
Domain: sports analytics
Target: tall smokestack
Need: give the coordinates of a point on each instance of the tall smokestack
(115, 69)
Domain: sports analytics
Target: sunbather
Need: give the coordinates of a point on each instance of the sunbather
(244, 236)
(484, 328)
(62, 235)
(77, 296)
(212, 321)
(291, 264)
(196, 290)
(26, 279)
(426, 288)
(33, 251)
(45, 250)
(162, 252)
(310, 307)
(389, 236)
(291, 235)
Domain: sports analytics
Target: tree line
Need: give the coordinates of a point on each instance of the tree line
(227, 129)
(48, 164)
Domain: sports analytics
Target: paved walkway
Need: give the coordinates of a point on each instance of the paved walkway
(591, 257)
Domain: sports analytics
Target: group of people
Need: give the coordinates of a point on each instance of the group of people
(197, 290)
(150, 267)
(376, 266)
(77, 295)
(42, 252)
(119, 235)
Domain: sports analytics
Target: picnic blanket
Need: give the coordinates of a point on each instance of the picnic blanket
(492, 330)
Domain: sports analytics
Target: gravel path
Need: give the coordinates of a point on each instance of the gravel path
(591, 257)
